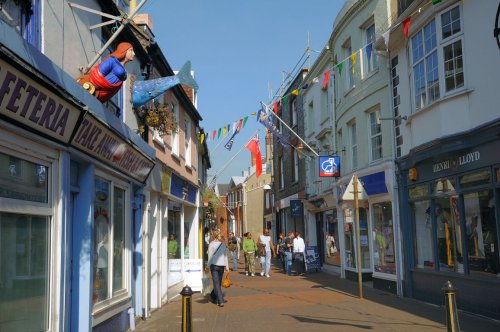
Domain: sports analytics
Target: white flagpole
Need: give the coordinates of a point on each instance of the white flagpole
(297, 135)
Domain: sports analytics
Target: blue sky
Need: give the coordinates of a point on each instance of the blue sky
(237, 49)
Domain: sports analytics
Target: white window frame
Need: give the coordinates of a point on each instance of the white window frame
(354, 145)
(28, 150)
(175, 133)
(310, 118)
(349, 78)
(371, 65)
(187, 141)
(437, 53)
(375, 132)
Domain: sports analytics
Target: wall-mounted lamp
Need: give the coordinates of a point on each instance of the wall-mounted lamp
(399, 117)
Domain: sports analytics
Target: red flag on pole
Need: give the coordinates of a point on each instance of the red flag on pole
(406, 26)
(254, 146)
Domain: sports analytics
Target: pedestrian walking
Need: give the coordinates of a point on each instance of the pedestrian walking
(217, 264)
(265, 261)
(232, 244)
(280, 249)
(299, 247)
(288, 253)
(249, 249)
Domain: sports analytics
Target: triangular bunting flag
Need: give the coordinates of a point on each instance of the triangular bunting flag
(275, 107)
(234, 127)
(315, 80)
(305, 86)
(435, 2)
(285, 98)
(295, 92)
(213, 135)
(202, 138)
(339, 66)
(326, 77)
(224, 131)
(353, 61)
(240, 124)
(245, 121)
(218, 135)
(406, 26)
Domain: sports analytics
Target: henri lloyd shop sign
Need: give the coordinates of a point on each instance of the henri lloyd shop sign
(457, 162)
(28, 102)
(99, 141)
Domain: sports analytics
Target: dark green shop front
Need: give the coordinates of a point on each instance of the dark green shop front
(450, 220)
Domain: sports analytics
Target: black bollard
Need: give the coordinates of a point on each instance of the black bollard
(187, 322)
(451, 307)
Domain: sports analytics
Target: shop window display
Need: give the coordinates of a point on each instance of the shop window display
(422, 227)
(350, 238)
(174, 243)
(23, 180)
(332, 251)
(383, 238)
(109, 226)
(24, 272)
(480, 232)
(449, 232)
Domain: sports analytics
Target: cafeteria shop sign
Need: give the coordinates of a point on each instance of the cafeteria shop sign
(26, 101)
(99, 141)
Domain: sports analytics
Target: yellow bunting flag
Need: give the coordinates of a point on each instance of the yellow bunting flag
(202, 138)
(224, 131)
(295, 92)
(353, 61)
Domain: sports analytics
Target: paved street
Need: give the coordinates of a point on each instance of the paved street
(314, 302)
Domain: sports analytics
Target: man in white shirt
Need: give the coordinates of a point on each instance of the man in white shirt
(299, 248)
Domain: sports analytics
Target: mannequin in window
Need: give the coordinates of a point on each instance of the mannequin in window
(102, 266)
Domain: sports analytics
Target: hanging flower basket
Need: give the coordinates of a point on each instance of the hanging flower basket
(160, 118)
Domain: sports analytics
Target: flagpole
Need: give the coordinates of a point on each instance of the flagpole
(124, 22)
(215, 148)
(297, 135)
(230, 160)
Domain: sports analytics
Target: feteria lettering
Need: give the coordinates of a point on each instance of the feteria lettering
(44, 112)
(469, 158)
(441, 166)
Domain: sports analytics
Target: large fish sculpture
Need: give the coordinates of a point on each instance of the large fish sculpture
(145, 91)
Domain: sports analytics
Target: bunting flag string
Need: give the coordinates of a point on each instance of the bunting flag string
(336, 69)
(368, 49)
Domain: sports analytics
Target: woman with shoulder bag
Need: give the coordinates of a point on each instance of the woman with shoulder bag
(217, 263)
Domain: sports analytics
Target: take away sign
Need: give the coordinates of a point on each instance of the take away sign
(349, 191)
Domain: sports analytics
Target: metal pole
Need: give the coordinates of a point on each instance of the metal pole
(358, 240)
(297, 135)
(451, 307)
(113, 37)
(187, 324)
